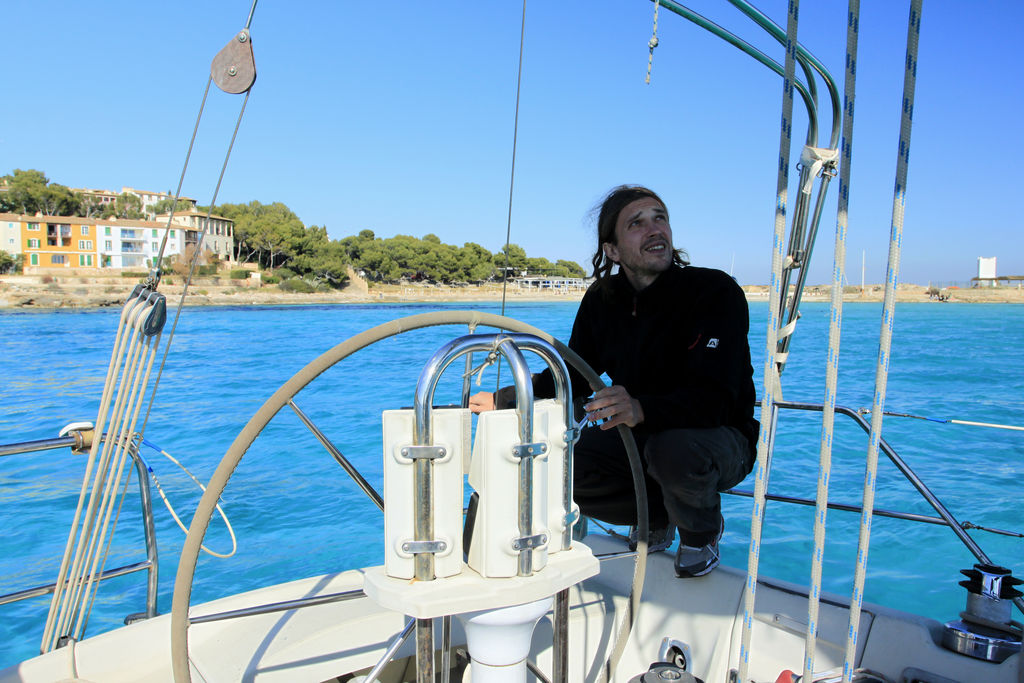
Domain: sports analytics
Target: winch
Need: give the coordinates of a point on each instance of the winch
(985, 629)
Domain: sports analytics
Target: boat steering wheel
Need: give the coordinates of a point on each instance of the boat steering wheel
(280, 398)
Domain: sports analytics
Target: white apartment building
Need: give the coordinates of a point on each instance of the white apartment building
(10, 233)
(133, 244)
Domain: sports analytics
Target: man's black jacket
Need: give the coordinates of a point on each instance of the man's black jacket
(679, 346)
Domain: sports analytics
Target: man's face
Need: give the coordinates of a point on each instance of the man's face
(643, 241)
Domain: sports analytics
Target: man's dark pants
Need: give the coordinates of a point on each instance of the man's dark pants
(685, 469)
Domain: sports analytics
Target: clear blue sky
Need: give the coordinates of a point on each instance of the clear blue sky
(398, 117)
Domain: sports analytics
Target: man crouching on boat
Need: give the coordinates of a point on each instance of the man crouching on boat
(673, 339)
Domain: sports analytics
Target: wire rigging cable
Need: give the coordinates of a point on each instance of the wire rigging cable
(512, 173)
(234, 71)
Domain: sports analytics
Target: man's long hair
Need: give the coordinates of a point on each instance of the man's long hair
(608, 215)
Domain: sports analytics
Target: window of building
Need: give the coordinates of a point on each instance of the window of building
(107, 246)
(33, 243)
(33, 259)
(156, 247)
(172, 233)
(33, 226)
(85, 259)
(154, 232)
(61, 231)
(106, 231)
(57, 259)
(85, 231)
(85, 245)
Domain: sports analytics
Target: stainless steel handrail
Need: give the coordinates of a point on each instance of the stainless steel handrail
(36, 446)
(911, 476)
(148, 526)
(282, 606)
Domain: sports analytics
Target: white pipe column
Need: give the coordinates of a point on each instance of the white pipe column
(499, 640)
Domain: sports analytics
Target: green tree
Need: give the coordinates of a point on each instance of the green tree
(328, 264)
(475, 263)
(270, 234)
(10, 263)
(513, 257)
(128, 205)
(164, 206)
(31, 192)
(90, 206)
(58, 200)
(540, 266)
(570, 268)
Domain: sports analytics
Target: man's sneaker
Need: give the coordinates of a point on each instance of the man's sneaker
(692, 561)
(657, 539)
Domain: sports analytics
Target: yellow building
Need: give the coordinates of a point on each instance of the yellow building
(58, 242)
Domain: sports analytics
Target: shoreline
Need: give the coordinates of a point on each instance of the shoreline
(29, 292)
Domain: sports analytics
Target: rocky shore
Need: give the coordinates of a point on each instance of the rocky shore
(27, 292)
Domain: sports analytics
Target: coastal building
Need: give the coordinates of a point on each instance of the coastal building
(135, 244)
(100, 197)
(149, 199)
(10, 233)
(986, 270)
(57, 242)
(551, 283)
(220, 231)
(93, 244)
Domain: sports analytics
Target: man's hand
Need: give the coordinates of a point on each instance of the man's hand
(615, 405)
(481, 402)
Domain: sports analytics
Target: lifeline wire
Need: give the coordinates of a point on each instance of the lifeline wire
(771, 370)
(940, 420)
(835, 327)
(885, 336)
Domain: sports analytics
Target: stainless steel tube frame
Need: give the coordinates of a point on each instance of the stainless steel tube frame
(508, 345)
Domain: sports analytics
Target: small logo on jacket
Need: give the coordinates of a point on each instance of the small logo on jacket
(713, 343)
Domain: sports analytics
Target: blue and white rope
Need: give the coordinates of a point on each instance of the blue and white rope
(772, 385)
(835, 327)
(885, 337)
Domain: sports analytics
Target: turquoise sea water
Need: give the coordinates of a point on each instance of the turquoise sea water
(297, 514)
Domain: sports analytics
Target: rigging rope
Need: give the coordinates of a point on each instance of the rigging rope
(652, 43)
(835, 328)
(136, 342)
(772, 384)
(127, 375)
(885, 337)
(170, 508)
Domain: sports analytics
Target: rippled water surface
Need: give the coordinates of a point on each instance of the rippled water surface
(297, 514)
